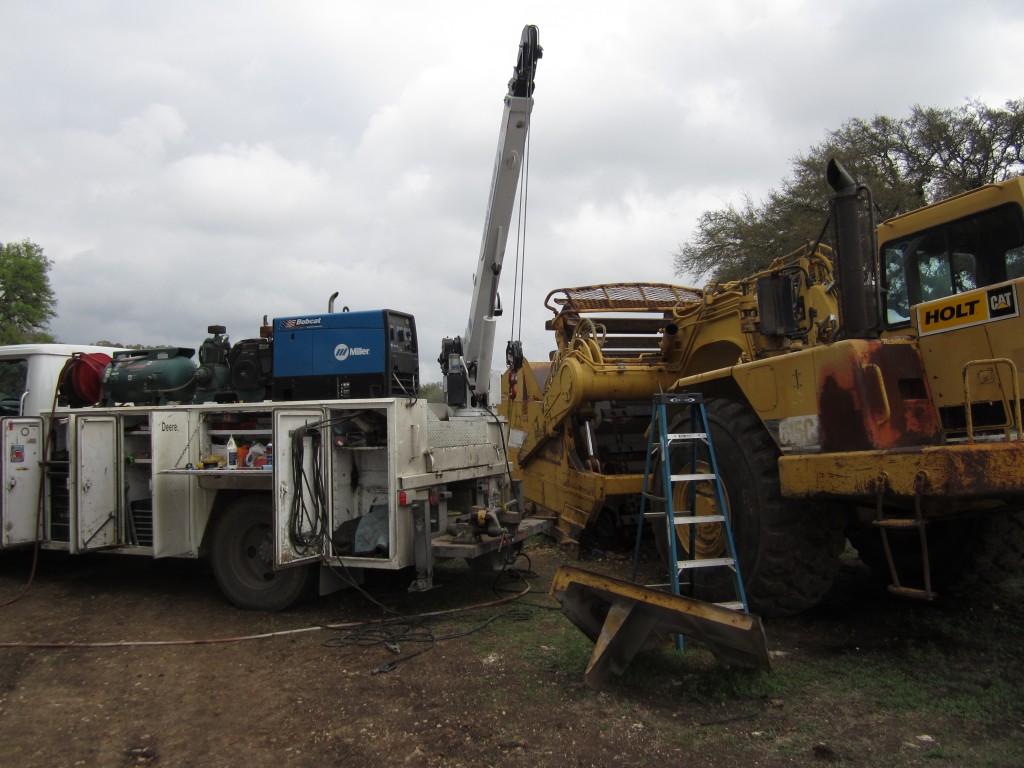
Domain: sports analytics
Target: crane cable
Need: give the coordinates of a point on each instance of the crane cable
(514, 348)
(520, 275)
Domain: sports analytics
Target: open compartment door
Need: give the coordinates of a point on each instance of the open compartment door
(172, 503)
(21, 479)
(367, 437)
(96, 512)
(300, 501)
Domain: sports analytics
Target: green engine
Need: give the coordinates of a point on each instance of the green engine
(150, 377)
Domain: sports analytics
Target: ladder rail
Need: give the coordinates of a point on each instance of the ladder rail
(666, 480)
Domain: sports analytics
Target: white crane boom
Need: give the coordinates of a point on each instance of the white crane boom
(466, 361)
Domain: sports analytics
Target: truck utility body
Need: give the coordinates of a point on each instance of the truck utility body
(310, 448)
(359, 484)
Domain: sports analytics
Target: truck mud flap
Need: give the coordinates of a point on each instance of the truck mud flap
(624, 618)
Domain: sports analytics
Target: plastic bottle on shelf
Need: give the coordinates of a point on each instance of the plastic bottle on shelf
(232, 453)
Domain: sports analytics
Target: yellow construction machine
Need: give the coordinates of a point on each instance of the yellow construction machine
(869, 390)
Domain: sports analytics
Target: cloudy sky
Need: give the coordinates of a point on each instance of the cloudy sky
(191, 163)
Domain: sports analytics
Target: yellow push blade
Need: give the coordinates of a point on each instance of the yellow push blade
(624, 619)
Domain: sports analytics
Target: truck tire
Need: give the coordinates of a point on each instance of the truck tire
(242, 556)
(788, 551)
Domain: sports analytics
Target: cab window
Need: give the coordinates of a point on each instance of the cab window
(13, 375)
(975, 251)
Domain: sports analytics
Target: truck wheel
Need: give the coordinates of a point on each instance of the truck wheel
(242, 555)
(788, 551)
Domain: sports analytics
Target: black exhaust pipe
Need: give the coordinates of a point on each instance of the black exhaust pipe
(853, 236)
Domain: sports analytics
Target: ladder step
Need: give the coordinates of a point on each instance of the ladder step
(736, 606)
(698, 519)
(668, 587)
(656, 498)
(673, 437)
(710, 562)
(692, 478)
(899, 523)
(920, 594)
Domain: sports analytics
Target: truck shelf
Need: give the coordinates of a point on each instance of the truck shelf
(220, 472)
(238, 432)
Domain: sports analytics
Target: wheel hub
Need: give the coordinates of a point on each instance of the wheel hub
(257, 561)
(708, 539)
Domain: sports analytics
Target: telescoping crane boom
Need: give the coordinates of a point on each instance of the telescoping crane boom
(466, 360)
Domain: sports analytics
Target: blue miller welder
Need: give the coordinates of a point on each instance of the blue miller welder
(345, 355)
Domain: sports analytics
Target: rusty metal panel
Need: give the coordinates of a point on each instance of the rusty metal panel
(874, 394)
(966, 471)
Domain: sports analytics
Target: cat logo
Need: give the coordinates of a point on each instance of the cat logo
(1002, 302)
(967, 309)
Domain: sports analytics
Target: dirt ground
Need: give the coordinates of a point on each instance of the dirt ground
(510, 694)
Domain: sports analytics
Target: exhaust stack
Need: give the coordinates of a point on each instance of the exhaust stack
(853, 236)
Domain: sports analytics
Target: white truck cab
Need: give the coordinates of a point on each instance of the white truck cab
(29, 373)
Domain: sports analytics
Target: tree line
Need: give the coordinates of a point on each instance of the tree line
(907, 162)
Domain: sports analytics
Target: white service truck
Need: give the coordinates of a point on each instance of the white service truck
(327, 488)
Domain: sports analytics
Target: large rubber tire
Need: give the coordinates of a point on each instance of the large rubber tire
(242, 556)
(788, 551)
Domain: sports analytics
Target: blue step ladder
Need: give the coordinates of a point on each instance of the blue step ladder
(659, 446)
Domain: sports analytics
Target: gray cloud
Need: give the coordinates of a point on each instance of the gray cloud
(194, 163)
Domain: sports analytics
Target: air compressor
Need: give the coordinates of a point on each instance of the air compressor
(150, 377)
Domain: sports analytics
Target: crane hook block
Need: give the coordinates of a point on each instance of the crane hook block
(530, 51)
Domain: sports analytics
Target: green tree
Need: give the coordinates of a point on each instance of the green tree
(907, 163)
(432, 392)
(26, 298)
